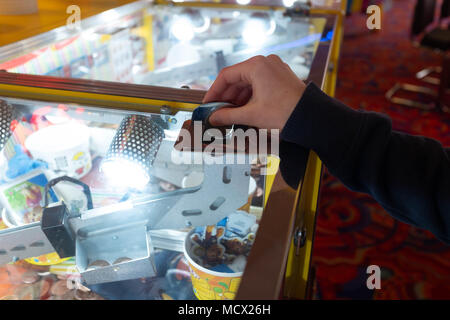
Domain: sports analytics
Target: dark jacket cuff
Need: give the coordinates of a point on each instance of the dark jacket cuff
(324, 125)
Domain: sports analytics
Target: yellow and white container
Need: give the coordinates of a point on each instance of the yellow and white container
(208, 284)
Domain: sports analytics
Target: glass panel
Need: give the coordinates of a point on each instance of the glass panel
(170, 46)
(107, 150)
(193, 45)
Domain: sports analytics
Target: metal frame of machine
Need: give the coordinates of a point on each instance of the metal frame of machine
(289, 215)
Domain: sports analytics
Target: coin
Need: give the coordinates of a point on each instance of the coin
(45, 286)
(96, 296)
(30, 277)
(59, 288)
(9, 297)
(25, 292)
(69, 295)
(15, 274)
(97, 264)
(83, 295)
(82, 288)
(120, 260)
(166, 186)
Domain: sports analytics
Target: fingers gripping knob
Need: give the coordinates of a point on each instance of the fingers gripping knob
(204, 112)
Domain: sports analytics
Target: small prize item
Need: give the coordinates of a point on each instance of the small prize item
(207, 248)
(23, 197)
(49, 259)
(44, 286)
(65, 268)
(21, 164)
(59, 288)
(240, 223)
(30, 277)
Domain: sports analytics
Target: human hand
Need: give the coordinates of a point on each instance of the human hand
(265, 88)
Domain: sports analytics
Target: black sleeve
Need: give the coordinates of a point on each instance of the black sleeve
(408, 175)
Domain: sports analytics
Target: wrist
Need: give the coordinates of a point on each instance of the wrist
(292, 103)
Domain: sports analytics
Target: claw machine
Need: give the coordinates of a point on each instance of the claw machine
(102, 198)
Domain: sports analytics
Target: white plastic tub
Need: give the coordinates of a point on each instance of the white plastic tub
(65, 147)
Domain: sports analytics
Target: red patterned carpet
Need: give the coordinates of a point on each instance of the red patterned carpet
(353, 231)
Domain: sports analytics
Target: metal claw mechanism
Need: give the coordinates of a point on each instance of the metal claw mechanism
(130, 228)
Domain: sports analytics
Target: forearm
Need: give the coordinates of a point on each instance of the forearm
(409, 176)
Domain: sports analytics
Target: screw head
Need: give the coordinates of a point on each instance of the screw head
(165, 109)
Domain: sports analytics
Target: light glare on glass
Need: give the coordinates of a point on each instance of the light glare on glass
(289, 3)
(182, 29)
(255, 32)
(125, 173)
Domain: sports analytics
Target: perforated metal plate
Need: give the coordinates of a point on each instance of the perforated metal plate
(6, 117)
(137, 140)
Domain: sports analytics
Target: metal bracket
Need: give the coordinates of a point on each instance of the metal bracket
(23, 242)
(126, 253)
